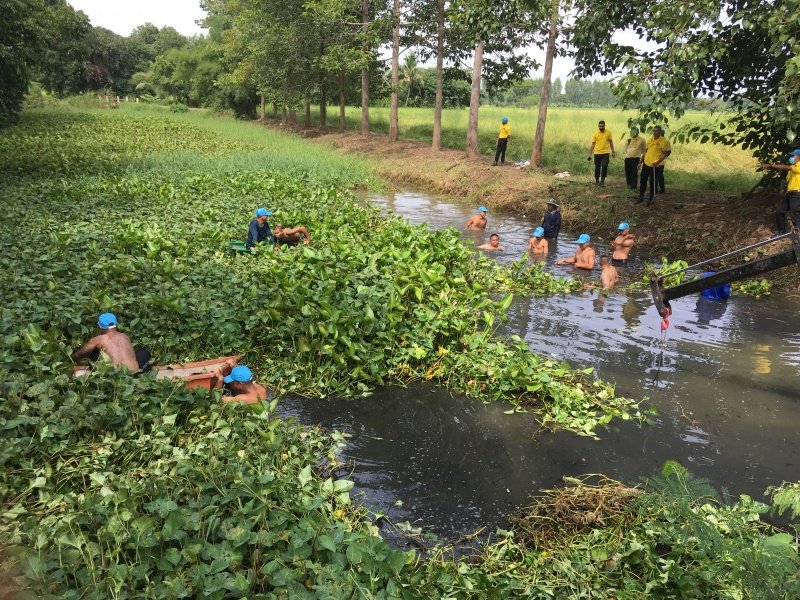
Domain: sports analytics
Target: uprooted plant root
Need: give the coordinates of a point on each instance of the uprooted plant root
(592, 501)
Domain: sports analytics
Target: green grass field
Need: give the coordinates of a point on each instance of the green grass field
(694, 166)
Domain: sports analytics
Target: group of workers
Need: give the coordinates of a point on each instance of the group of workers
(119, 351)
(547, 233)
(641, 155)
(647, 156)
(259, 232)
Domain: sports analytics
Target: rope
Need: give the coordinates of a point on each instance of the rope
(662, 345)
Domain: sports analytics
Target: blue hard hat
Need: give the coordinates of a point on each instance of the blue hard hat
(263, 212)
(240, 374)
(538, 232)
(583, 238)
(504, 120)
(623, 226)
(107, 320)
(483, 209)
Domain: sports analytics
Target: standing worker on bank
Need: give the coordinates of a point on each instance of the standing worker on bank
(502, 141)
(790, 203)
(551, 223)
(634, 150)
(602, 146)
(652, 163)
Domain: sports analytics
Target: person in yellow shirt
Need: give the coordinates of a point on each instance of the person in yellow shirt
(602, 146)
(634, 150)
(790, 203)
(502, 141)
(652, 163)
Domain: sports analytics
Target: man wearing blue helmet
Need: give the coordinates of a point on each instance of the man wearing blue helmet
(537, 244)
(259, 230)
(622, 245)
(502, 141)
(584, 256)
(478, 221)
(114, 344)
(790, 203)
(241, 385)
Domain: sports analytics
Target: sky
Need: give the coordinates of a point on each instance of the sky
(123, 17)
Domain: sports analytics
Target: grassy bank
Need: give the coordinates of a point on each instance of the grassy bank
(694, 166)
(120, 486)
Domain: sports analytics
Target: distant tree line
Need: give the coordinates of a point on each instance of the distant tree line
(290, 56)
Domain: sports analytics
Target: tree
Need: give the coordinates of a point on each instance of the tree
(393, 120)
(110, 64)
(500, 32)
(541, 121)
(436, 142)
(744, 53)
(60, 63)
(410, 75)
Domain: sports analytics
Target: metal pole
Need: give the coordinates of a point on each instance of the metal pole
(735, 252)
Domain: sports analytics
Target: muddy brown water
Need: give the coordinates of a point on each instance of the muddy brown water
(727, 395)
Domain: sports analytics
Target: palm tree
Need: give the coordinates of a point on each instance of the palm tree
(410, 75)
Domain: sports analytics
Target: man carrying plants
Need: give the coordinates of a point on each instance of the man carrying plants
(114, 344)
(259, 230)
(602, 146)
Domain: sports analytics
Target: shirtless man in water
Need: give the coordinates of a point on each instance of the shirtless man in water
(292, 235)
(478, 221)
(117, 346)
(621, 246)
(494, 243)
(584, 255)
(241, 385)
(537, 243)
(608, 274)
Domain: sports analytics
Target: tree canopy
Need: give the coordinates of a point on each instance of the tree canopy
(741, 52)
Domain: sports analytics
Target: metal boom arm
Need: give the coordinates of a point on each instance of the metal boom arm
(662, 295)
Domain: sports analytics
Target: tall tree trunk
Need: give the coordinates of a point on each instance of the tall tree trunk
(285, 116)
(308, 112)
(323, 106)
(342, 106)
(544, 99)
(292, 116)
(437, 111)
(393, 120)
(263, 108)
(365, 74)
(474, 102)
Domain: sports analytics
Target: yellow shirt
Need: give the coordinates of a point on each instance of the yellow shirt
(636, 147)
(793, 178)
(655, 147)
(602, 142)
(505, 131)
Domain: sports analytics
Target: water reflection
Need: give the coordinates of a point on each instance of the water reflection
(726, 390)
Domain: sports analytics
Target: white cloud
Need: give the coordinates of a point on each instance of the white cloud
(124, 17)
